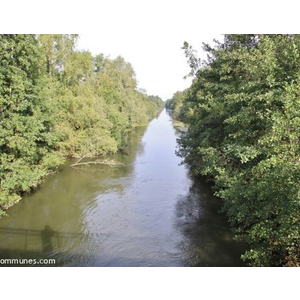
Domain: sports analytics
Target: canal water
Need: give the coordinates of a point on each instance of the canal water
(148, 212)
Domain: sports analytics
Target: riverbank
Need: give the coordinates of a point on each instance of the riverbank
(146, 212)
(4, 208)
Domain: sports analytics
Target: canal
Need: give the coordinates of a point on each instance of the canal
(147, 212)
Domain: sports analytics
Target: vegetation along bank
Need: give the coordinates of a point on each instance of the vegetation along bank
(243, 116)
(58, 102)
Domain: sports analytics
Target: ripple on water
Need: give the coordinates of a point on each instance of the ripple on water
(147, 213)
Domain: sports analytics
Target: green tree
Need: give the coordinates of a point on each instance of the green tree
(243, 134)
(57, 102)
(25, 119)
(56, 49)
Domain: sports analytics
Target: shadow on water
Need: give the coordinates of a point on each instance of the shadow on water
(145, 213)
(35, 244)
(44, 244)
(47, 235)
(48, 244)
(207, 238)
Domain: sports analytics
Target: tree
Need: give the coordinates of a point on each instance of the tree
(56, 49)
(57, 102)
(25, 119)
(243, 134)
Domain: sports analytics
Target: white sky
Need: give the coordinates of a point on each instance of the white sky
(149, 35)
(154, 52)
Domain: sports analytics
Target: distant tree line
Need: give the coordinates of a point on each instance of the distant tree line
(58, 102)
(243, 117)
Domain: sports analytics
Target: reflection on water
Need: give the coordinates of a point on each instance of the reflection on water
(206, 238)
(145, 213)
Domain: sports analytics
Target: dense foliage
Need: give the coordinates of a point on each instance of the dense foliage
(243, 116)
(175, 106)
(57, 102)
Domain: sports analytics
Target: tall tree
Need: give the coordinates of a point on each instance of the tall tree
(58, 102)
(25, 119)
(56, 49)
(244, 132)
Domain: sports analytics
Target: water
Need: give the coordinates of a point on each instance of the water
(148, 212)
